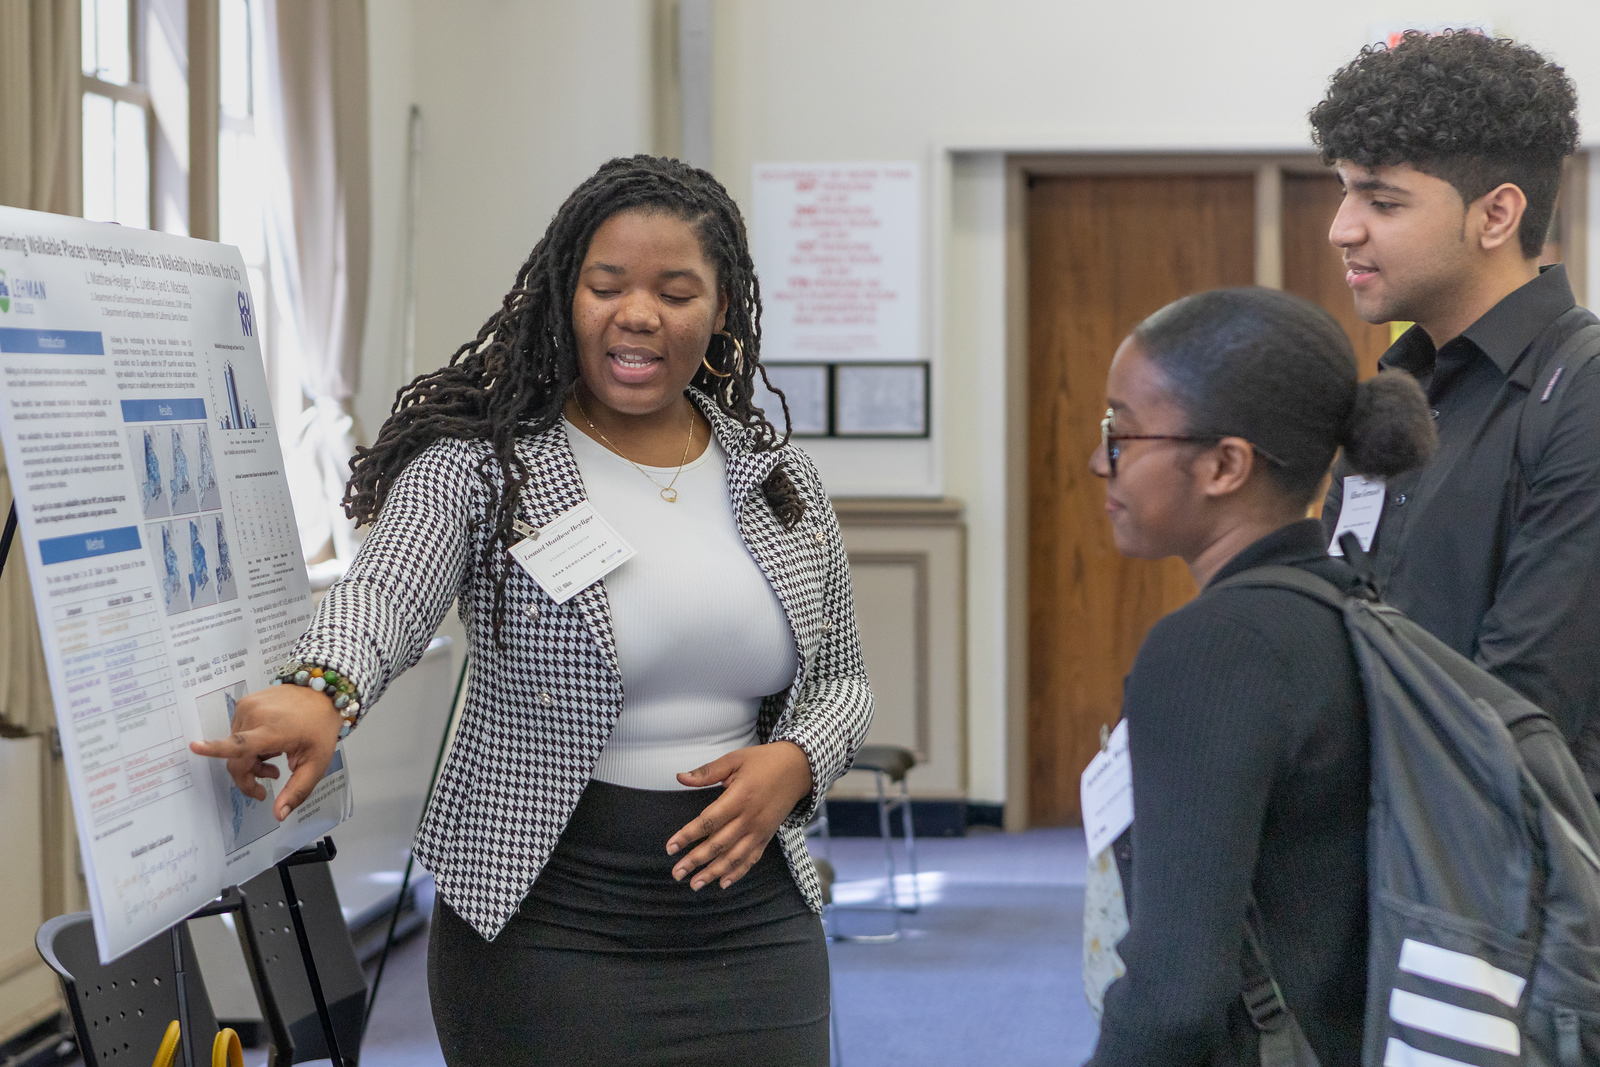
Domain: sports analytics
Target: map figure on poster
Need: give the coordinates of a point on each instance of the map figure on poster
(238, 800)
(210, 494)
(200, 576)
(171, 584)
(150, 485)
(182, 488)
(243, 819)
(224, 569)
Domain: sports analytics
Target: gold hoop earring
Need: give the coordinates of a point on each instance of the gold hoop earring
(738, 358)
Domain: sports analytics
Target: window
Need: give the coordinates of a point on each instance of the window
(241, 200)
(242, 191)
(116, 117)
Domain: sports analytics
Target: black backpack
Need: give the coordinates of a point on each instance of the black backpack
(1483, 855)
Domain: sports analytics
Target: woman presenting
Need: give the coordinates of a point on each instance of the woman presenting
(599, 836)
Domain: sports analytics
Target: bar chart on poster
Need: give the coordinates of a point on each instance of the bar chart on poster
(160, 540)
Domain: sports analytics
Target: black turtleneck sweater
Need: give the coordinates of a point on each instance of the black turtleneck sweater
(1248, 736)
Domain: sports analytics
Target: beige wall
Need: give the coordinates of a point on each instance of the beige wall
(522, 99)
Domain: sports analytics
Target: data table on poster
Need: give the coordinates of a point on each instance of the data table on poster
(266, 519)
(124, 714)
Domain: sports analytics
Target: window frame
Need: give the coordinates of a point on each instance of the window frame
(135, 92)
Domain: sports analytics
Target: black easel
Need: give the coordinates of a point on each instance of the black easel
(322, 852)
(5, 539)
(233, 899)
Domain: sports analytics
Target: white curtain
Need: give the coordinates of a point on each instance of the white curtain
(311, 117)
(41, 169)
(40, 112)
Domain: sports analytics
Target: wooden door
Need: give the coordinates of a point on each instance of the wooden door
(1103, 253)
(1313, 268)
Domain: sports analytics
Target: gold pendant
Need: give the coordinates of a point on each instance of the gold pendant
(670, 495)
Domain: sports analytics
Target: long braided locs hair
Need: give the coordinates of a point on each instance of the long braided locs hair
(513, 378)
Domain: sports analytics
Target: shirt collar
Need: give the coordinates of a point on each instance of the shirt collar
(1298, 542)
(1503, 333)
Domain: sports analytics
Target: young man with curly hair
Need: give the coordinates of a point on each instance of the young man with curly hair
(1450, 151)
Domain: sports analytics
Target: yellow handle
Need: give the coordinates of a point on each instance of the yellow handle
(169, 1046)
(226, 1050)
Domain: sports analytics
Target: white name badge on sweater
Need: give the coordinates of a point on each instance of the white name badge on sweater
(1360, 512)
(572, 552)
(1106, 791)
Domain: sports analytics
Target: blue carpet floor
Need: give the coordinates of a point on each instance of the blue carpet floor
(987, 972)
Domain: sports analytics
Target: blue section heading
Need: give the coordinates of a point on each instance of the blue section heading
(188, 409)
(82, 546)
(52, 342)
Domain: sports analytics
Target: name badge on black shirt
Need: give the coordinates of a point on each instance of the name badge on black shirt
(1360, 512)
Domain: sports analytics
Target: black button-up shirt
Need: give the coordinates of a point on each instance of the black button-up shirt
(1502, 563)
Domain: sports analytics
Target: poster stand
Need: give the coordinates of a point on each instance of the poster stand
(321, 852)
(5, 539)
(233, 899)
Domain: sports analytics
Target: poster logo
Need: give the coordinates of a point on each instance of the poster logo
(246, 315)
(21, 292)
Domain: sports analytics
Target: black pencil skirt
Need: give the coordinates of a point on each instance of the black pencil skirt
(609, 961)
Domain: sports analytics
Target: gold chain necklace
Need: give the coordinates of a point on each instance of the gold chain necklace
(669, 494)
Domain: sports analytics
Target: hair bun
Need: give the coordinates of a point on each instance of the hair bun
(1390, 430)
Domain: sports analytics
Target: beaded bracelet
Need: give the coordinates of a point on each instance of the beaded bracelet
(324, 680)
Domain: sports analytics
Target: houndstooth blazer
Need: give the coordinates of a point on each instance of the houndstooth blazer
(539, 710)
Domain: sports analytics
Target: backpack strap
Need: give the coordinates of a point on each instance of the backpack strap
(1291, 578)
(1283, 1043)
(1537, 420)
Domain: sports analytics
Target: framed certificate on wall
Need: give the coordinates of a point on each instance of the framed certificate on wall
(808, 387)
(880, 400)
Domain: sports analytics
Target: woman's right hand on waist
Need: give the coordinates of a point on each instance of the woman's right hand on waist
(281, 720)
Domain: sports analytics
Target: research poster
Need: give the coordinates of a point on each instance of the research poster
(162, 547)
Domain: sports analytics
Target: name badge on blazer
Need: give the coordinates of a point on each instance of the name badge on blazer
(570, 553)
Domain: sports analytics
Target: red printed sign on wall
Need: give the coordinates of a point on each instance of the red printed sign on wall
(837, 250)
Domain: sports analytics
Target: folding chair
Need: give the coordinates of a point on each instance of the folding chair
(122, 1010)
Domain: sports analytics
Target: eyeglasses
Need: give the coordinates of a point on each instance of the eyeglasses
(1110, 441)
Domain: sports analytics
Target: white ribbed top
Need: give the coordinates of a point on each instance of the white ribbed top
(701, 637)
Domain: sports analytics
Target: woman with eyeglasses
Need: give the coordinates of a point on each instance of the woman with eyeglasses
(1246, 721)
